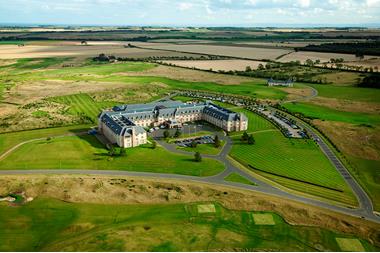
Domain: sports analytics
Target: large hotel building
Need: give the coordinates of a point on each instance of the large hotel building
(124, 125)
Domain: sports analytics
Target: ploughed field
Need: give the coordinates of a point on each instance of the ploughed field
(157, 227)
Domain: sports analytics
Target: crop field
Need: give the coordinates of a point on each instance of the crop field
(297, 164)
(302, 56)
(13, 51)
(241, 52)
(86, 152)
(217, 65)
(155, 227)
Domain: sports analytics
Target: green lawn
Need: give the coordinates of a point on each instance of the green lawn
(104, 69)
(347, 93)
(325, 113)
(237, 178)
(12, 42)
(85, 152)
(289, 160)
(8, 140)
(208, 149)
(52, 225)
(83, 104)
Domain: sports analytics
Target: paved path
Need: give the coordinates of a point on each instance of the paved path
(263, 186)
(365, 210)
(313, 94)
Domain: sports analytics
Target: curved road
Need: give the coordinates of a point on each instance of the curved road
(365, 209)
(218, 179)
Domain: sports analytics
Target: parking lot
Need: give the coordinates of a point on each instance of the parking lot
(207, 139)
(186, 129)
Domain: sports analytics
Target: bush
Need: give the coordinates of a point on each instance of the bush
(193, 144)
(217, 143)
(197, 157)
(245, 136)
(177, 133)
(166, 134)
(251, 140)
(123, 152)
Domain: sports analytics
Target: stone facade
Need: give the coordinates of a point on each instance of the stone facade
(124, 125)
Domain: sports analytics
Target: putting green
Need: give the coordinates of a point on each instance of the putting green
(263, 219)
(347, 244)
(209, 208)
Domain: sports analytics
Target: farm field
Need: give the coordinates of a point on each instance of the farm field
(13, 51)
(155, 227)
(302, 56)
(241, 52)
(86, 152)
(217, 65)
(297, 164)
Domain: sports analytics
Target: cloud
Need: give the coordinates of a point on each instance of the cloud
(184, 6)
(223, 12)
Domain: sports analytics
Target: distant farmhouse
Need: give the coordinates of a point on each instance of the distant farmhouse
(288, 83)
(124, 125)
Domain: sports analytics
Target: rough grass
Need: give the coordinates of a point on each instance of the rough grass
(155, 227)
(85, 152)
(112, 73)
(237, 178)
(35, 63)
(367, 173)
(295, 159)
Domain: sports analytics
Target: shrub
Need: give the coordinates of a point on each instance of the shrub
(197, 157)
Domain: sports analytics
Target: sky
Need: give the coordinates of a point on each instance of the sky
(192, 12)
